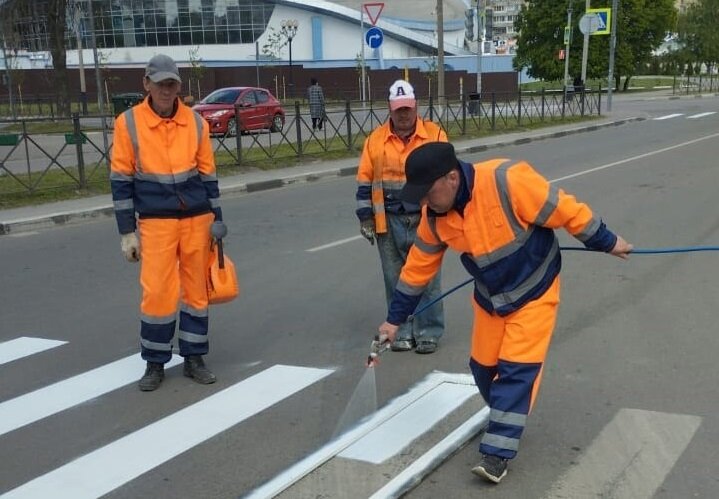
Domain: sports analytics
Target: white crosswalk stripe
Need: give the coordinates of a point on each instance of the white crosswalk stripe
(25, 346)
(668, 116)
(701, 115)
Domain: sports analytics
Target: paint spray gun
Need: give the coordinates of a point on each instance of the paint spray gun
(379, 345)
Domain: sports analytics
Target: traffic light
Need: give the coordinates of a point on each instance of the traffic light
(469, 24)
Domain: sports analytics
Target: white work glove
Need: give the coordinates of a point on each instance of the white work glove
(367, 229)
(130, 246)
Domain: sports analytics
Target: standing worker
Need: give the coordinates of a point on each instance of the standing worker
(317, 104)
(393, 222)
(163, 169)
(500, 215)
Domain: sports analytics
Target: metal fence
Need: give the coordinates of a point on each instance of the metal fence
(77, 157)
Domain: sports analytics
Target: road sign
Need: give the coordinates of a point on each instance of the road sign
(561, 54)
(373, 11)
(567, 35)
(590, 23)
(374, 37)
(604, 18)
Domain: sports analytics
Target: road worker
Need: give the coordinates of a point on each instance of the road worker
(163, 170)
(392, 222)
(500, 215)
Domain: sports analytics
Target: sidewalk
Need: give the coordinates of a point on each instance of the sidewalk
(28, 218)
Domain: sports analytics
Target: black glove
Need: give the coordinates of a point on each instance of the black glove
(218, 230)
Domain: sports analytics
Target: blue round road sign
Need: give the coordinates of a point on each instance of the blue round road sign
(374, 37)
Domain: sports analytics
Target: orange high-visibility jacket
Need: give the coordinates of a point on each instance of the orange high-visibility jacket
(381, 170)
(162, 167)
(505, 235)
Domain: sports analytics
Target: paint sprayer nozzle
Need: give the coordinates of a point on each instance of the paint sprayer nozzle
(378, 346)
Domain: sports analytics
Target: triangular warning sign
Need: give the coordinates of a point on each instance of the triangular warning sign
(373, 11)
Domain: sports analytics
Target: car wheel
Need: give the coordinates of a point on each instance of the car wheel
(232, 127)
(278, 123)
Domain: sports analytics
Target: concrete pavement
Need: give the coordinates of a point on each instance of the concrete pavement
(28, 218)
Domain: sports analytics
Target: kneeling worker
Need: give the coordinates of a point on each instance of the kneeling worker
(500, 215)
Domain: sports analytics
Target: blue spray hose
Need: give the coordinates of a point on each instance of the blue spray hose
(638, 251)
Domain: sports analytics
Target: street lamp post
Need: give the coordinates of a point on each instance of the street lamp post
(289, 30)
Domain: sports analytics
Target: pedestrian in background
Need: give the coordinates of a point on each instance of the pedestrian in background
(391, 221)
(163, 170)
(500, 215)
(317, 104)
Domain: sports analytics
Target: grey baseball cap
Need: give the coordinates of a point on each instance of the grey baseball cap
(162, 67)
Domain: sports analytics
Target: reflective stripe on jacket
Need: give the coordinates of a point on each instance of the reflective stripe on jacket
(162, 167)
(505, 236)
(380, 175)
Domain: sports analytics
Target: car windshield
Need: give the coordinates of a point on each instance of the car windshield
(223, 96)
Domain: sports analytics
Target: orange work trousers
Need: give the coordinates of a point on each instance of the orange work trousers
(175, 254)
(507, 358)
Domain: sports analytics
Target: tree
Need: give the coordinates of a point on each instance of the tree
(56, 27)
(641, 27)
(274, 45)
(698, 33)
(197, 71)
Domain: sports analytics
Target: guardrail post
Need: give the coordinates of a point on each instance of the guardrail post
(599, 101)
(464, 114)
(27, 153)
(298, 121)
(78, 149)
(238, 135)
(564, 103)
(544, 101)
(348, 119)
(431, 109)
(582, 102)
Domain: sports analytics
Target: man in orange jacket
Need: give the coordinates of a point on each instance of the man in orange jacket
(500, 215)
(163, 169)
(388, 219)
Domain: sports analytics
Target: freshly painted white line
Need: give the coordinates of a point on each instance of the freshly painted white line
(44, 402)
(109, 467)
(397, 433)
(633, 158)
(298, 470)
(701, 115)
(631, 456)
(23, 234)
(333, 244)
(413, 474)
(24, 346)
(668, 116)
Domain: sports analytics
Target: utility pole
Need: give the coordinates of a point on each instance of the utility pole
(480, 44)
(612, 48)
(440, 57)
(567, 43)
(362, 69)
(98, 78)
(83, 85)
(585, 47)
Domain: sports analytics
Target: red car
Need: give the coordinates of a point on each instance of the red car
(259, 110)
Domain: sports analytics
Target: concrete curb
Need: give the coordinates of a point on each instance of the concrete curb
(67, 217)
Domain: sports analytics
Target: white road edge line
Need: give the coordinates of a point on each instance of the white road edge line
(630, 457)
(573, 175)
(298, 470)
(25, 346)
(43, 402)
(107, 468)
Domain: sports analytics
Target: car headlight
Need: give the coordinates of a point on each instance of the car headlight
(219, 113)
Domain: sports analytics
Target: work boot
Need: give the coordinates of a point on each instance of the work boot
(426, 346)
(493, 468)
(402, 345)
(195, 368)
(154, 374)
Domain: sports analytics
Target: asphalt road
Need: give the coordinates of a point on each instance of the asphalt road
(628, 401)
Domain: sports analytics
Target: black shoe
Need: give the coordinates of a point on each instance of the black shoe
(403, 345)
(154, 374)
(493, 468)
(426, 346)
(195, 368)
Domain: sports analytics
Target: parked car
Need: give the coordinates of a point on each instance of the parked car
(259, 110)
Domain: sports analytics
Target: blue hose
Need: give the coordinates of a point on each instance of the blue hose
(638, 251)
